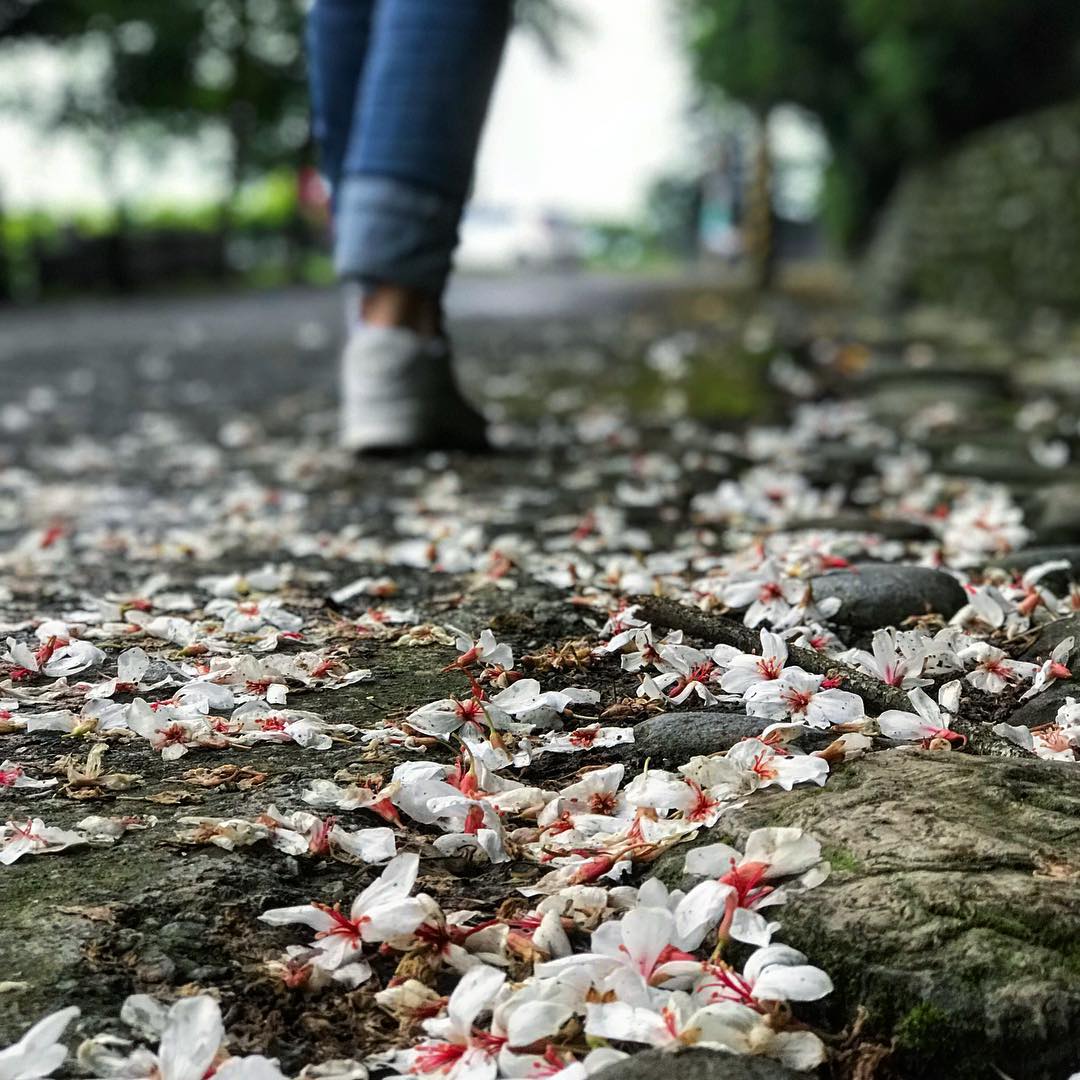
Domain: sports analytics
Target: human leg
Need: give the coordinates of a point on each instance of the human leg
(405, 177)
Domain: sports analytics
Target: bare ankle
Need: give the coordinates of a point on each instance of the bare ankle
(398, 306)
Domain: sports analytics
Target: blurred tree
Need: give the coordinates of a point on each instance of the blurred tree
(890, 81)
(180, 67)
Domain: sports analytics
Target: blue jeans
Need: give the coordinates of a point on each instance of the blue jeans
(399, 92)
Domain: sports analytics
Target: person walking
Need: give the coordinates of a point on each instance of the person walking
(400, 90)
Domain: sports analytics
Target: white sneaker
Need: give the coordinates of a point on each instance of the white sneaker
(398, 392)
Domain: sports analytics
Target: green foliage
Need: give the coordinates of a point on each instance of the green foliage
(178, 68)
(891, 81)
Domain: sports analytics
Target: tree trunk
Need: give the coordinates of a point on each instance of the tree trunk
(760, 234)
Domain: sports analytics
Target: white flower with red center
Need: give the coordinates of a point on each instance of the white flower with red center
(674, 1021)
(257, 721)
(34, 837)
(640, 946)
(13, 776)
(1053, 668)
(767, 593)
(39, 1052)
(171, 731)
(895, 658)
(248, 676)
(580, 739)
(458, 1049)
(596, 793)
(993, 670)
(383, 910)
(686, 673)
(325, 836)
(637, 646)
(249, 617)
(771, 855)
(798, 695)
(448, 715)
(485, 651)
(1050, 741)
(746, 669)
(929, 724)
(772, 764)
(772, 973)
(56, 658)
(131, 666)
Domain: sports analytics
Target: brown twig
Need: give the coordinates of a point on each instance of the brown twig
(717, 629)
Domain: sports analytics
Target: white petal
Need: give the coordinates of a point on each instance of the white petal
(192, 1039)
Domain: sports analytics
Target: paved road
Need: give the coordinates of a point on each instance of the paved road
(311, 313)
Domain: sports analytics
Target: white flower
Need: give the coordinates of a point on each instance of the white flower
(896, 658)
(34, 837)
(994, 671)
(772, 973)
(767, 594)
(131, 666)
(525, 701)
(597, 792)
(636, 946)
(457, 1051)
(12, 776)
(1052, 669)
(798, 695)
(929, 721)
(745, 669)
(169, 730)
(39, 1052)
(383, 910)
(771, 854)
(771, 765)
(485, 651)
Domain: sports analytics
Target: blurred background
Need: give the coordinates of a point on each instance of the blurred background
(924, 151)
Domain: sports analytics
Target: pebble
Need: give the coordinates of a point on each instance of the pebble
(880, 594)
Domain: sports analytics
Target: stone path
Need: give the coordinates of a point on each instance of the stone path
(168, 483)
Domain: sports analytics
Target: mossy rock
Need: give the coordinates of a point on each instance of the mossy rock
(953, 910)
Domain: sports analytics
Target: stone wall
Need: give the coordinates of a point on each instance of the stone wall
(993, 226)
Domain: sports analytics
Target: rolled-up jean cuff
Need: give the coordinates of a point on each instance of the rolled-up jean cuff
(389, 231)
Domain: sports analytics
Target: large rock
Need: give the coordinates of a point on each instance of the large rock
(696, 1065)
(884, 594)
(952, 912)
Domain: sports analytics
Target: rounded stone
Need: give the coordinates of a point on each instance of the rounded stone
(696, 1065)
(885, 594)
(675, 737)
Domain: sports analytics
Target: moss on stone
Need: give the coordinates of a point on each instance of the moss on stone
(842, 860)
(927, 1029)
